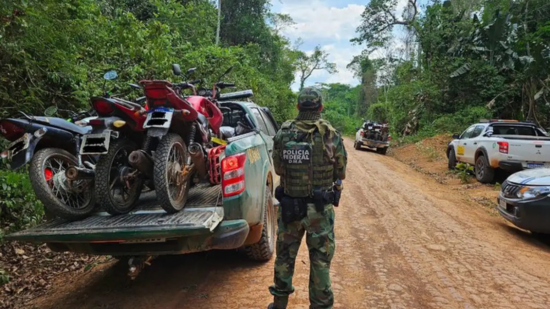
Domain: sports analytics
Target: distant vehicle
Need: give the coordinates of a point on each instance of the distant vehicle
(373, 135)
(524, 200)
(500, 144)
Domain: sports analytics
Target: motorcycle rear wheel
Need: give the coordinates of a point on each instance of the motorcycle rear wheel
(117, 191)
(47, 175)
(171, 183)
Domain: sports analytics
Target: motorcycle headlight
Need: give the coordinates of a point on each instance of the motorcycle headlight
(533, 192)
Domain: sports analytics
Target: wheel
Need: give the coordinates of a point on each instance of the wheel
(68, 200)
(382, 151)
(118, 184)
(171, 183)
(263, 250)
(357, 146)
(484, 172)
(452, 160)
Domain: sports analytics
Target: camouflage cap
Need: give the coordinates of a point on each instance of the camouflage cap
(309, 99)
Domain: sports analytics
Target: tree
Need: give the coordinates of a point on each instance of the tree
(318, 60)
(379, 18)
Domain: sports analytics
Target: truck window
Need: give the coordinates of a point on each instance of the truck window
(271, 128)
(514, 130)
(468, 133)
(260, 120)
(477, 131)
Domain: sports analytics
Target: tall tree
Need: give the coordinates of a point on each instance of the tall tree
(318, 60)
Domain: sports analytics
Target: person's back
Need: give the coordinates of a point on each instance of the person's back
(309, 155)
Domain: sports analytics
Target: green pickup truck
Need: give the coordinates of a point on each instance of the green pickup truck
(237, 214)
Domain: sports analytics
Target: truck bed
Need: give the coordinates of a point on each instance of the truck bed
(202, 212)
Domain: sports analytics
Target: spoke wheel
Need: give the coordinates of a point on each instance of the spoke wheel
(118, 184)
(70, 200)
(172, 179)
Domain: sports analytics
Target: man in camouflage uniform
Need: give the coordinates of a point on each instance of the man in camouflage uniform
(309, 155)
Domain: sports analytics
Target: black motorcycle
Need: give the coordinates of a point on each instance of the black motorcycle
(51, 145)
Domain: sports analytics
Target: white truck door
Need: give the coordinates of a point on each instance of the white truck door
(463, 143)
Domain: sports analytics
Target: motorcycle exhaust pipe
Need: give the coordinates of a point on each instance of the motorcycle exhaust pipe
(199, 159)
(142, 161)
(79, 173)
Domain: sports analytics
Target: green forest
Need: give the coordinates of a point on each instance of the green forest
(462, 60)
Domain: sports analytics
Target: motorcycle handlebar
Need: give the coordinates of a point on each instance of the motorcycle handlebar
(225, 85)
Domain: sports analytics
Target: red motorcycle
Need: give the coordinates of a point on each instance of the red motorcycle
(117, 132)
(184, 126)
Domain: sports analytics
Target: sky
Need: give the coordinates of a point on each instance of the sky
(330, 24)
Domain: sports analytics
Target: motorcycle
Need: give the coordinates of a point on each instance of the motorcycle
(115, 134)
(184, 125)
(50, 145)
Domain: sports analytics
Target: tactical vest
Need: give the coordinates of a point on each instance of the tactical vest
(305, 165)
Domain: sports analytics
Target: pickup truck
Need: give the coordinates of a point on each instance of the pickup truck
(508, 145)
(374, 136)
(239, 213)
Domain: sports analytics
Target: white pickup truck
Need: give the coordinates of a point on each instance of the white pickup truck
(500, 144)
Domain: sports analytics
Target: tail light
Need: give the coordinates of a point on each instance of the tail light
(95, 122)
(10, 130)
(389, 137)
(503, 147)
(233, 175)
(362, 133)
(103, 108)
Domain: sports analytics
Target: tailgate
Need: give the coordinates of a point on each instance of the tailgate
(529, 149)
(201, 215)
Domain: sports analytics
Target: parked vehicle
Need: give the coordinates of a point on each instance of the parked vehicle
(524, 200)
(115, 135)
(51, 145)
(373, 135)
(237, 213)
(500, 144)
(185, 126)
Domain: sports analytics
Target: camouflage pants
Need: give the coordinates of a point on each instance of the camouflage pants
(319, 229)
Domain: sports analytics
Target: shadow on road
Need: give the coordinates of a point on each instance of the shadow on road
(540, 241)
(170, 282)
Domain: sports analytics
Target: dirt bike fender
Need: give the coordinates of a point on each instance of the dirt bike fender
(157, 132)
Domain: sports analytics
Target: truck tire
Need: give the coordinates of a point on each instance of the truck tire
(110, 167)
(452, 159)
(357, 146)
(166, 173)
(382, 151)
(263, 250)
(44, 167)
(484, 172)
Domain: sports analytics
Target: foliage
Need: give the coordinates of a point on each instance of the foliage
(19, 207)
(471, 59)
(54, 53)
(464, 172)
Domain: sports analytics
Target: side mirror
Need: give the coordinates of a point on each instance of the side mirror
(456, 136)
(176, 70)
(357, 128)
(50, 111)
(110, 75)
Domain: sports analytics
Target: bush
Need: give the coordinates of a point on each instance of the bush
(19, 207)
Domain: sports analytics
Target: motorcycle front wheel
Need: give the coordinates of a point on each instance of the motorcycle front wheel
(172, 180)
(70, 200)
(118, 184)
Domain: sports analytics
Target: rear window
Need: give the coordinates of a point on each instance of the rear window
(514, 130)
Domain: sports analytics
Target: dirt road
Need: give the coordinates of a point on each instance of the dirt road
(403, 241)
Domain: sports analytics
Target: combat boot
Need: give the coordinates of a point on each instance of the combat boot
(272, 306)
(279, 303)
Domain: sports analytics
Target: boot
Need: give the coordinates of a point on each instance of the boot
(279, 303)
